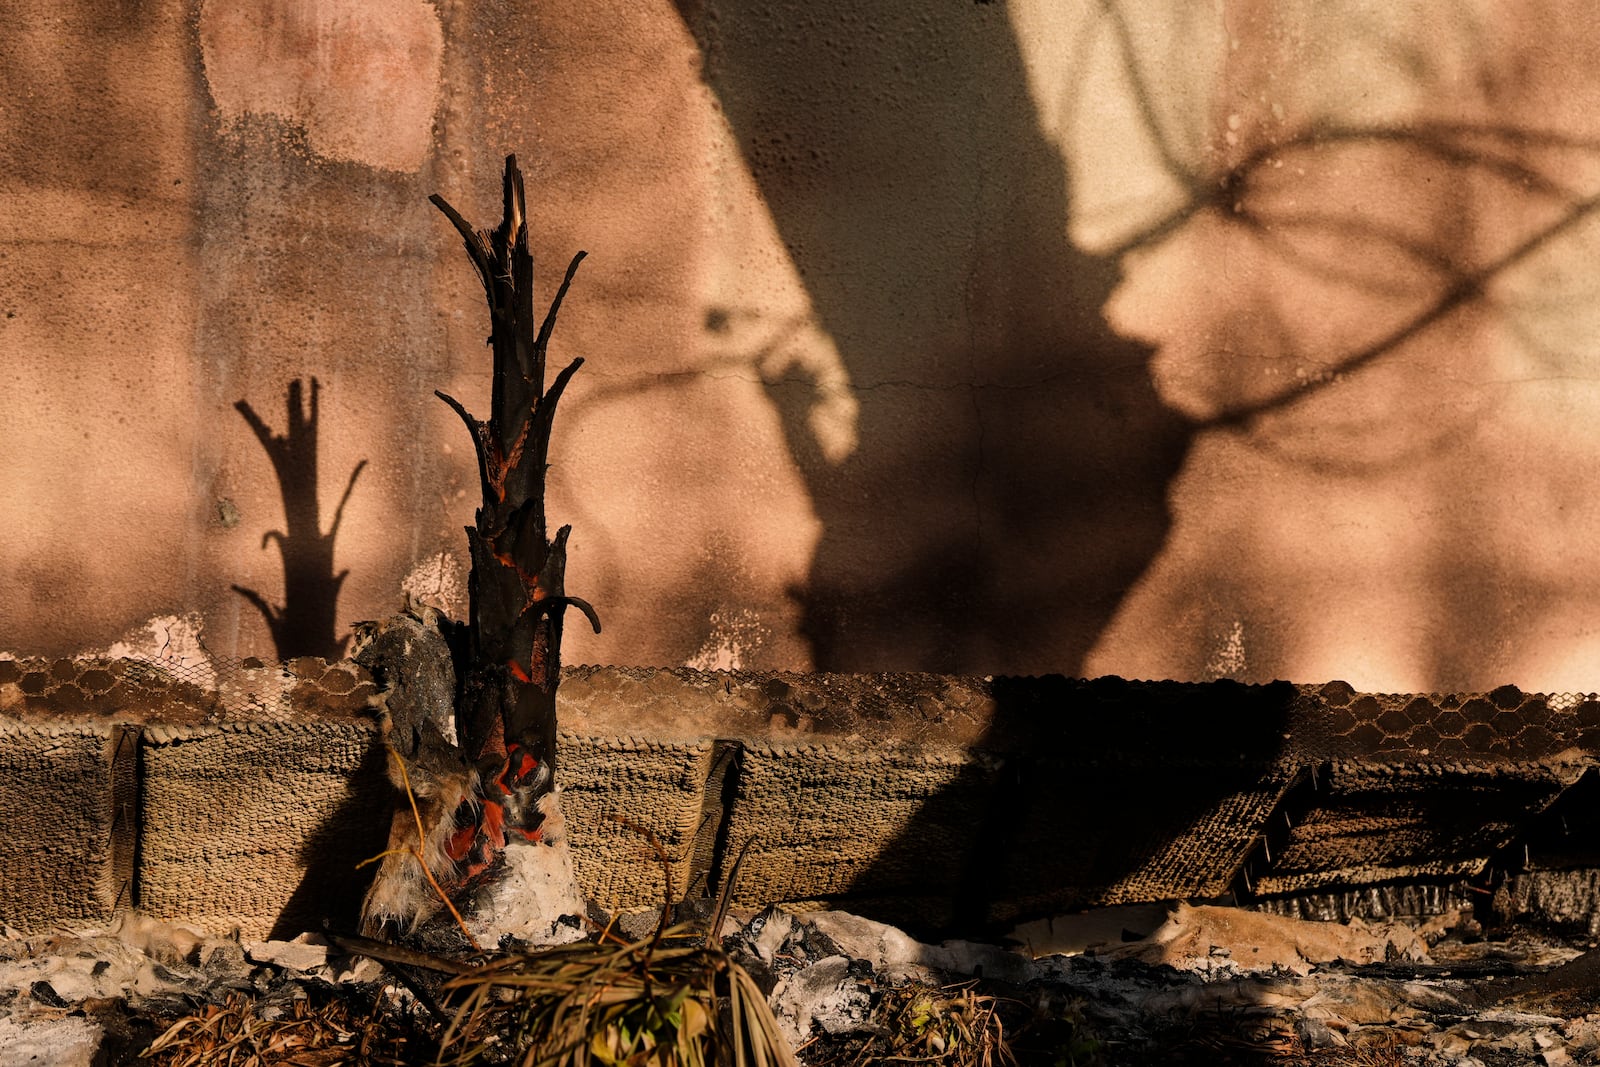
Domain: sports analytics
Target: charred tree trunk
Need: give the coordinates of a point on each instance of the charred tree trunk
(506, 710)
(486, 810)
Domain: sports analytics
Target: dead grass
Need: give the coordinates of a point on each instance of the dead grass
(235, 1033)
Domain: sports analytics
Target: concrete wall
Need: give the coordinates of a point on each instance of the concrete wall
(977, 338)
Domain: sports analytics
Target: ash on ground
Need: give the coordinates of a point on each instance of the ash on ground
(1176, 984)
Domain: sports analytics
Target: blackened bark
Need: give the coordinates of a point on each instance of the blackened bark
(506, 711)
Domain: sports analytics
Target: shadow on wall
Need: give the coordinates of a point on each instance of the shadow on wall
(305, 624)
(1011, 480)
(1011, 475)
(1366, 307)
(1092, 793)
(1013, 459)
(330, 891)
(1317, 296)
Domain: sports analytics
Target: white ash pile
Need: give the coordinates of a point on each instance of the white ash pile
(102, 996)
(1198, 985)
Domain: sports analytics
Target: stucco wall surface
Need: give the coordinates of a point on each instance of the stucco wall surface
(1249, 340)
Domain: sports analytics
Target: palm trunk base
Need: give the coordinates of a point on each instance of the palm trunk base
(533, 895)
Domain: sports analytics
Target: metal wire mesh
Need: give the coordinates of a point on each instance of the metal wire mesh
(242, 688)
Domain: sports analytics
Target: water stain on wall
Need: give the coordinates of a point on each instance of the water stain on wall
(439, 581)
(360, 77)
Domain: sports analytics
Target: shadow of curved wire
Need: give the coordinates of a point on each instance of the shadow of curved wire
(306, 623)
(1465, 284)
(1462, 146)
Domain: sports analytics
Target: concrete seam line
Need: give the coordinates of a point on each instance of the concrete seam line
(711, 839)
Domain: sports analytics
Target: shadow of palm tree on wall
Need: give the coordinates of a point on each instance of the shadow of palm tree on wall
(305, 625)
(1009, 480)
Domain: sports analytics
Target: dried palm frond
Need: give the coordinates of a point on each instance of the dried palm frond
(952, 1025)
(654, 1002)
